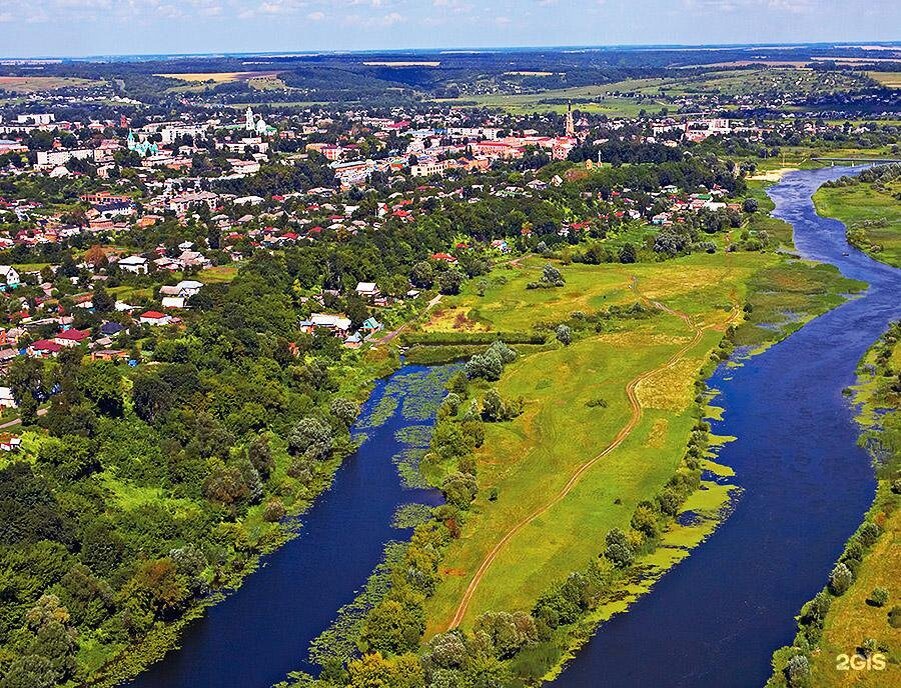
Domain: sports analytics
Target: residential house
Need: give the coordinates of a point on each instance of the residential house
(134, 264)
(337, 324)
(10, 443)
(9, 277)
(7, 400)
(154, 318)
(44, 348)
(71, 338)
(367, 290)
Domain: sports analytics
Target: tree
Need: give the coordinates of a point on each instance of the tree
(750, 205)
(627, 254)
(226, 485)
(103, 302)
(260, 455)
(459, 489)
(618, 548)
(492, 407)
(564, 335)
(159, 585)
(374, 671)
(551, 275)
(393, 628)
(96, 257)
(447, 650)
(344, 410)
(274, 510)
(488, 366)
(423, 275)
(47, 647)
(312, 438)
(152, 397)
(450, 281)
(508, 632)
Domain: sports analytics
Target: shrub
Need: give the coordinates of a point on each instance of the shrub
(797, 670)
(840, 579)
(894, 617)
(879, 597)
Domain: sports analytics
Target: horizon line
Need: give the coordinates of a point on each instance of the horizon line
(300, 53)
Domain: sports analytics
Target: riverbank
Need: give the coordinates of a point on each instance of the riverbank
(261, 538)
(850, 633)
(870, 210)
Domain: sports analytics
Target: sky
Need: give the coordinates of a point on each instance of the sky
(30, 28)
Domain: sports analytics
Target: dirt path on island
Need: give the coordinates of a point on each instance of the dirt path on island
(620, 437)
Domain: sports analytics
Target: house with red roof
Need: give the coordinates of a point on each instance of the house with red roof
(154, 318)
(71, 338)
(44, 348)
(446, 257)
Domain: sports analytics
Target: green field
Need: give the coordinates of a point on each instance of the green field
(38, 84)
(626, 98)
(530, 460)
(872, 216)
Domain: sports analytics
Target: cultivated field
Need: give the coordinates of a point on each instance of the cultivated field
(890, 79)
(262, 81)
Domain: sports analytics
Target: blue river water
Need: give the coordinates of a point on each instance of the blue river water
(715, 619)
(263, 630)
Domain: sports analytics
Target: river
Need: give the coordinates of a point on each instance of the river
(263, 630)
(715, 619)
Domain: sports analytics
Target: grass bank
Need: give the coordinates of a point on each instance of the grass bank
(872, 214)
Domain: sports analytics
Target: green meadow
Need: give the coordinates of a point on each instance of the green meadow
(525, 462)
(872, 217)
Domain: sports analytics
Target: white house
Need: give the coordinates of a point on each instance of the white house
(154, 318)
(134, 264)
(9, 277)
(367, 290)
(173, 302)
(337, 324)
(188, 288)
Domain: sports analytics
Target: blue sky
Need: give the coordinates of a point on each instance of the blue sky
(92, 27)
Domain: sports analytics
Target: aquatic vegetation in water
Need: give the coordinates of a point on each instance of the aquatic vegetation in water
(417, 393)
(339, 640)
(412, 515)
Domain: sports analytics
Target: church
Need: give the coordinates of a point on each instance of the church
(256, 125)
(141, 147)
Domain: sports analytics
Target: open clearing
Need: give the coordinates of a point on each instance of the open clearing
(532, 460)
(261, 81)
(890, 79)
(36, 84)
